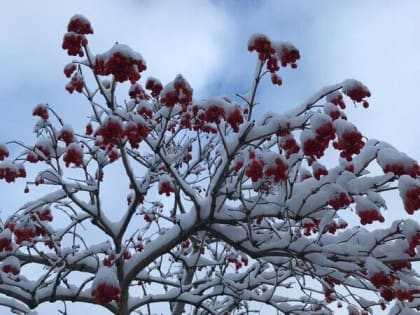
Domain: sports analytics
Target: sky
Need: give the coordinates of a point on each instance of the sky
(376, 42)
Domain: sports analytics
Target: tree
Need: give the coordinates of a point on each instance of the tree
(224, 207)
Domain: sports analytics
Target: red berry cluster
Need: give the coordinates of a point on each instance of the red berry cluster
(185, 244)
(66, 135)
(342, 200)
(262, 45)
(255, 170)
(235, 119)
(105, 293)
(26, 232)
(389, 293)
(9, 172)
(109, 260)
(79, 25)
(74, 154)
(74, 43)
(135, 133)
(412, 244)
(238, 262)
(278, 171)
(289, 145)
(178, 91)
(13, 269)
(166, 187)
(76, 83)
(398, 266)
(41, 110)
(45, 152)
(381, 279)
(412, 200)
(44, 214)
(399, 169)
(349, 143)
(69, 69)
(314, 148)
(319, 170)
(336, 98)
(149, 217)
(368, 216)
(154, 85)
(121, 65)
(214, 114)
(111, 132)
(276, 79)
(310, 226)
(136, 92)
(4, 152)
(113, 155)
(357, 92)
(32, 157)
(289, 55)
(273, 54)
(333, 227)
(6, 241)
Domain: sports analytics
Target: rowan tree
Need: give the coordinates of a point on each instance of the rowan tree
(226, 208)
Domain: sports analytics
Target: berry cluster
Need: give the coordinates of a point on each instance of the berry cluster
(66, 135)
(11, 265)
(109, 261)
(69, 69)
(27, 232)
(398, 266)
(110, 132)
(6, 241)
(255, 170)
(135, 133)
(334, 226)
(178, 91)
(289, 145)
(356, 91)
(310, 226)
(79, 25)
(154, 85)
(121, 62)
(44, 214)
(368, 216)
(412, 199)
(238, 262)
(381, 279)
(104, 293)
(313, 146)
(137, 92)
(4, 152)
(336, 98)
(273, 54)
(341, 200)
(74, 154)
(76, 83)
(74, 44)
(319, 170)
(166, 186)
(41, 110)
(349, 142)
(10, 171)
(262, 45)
(400, 169)
(412, 244)
(278, 171)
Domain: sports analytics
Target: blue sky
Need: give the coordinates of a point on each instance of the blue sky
(376, 42)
